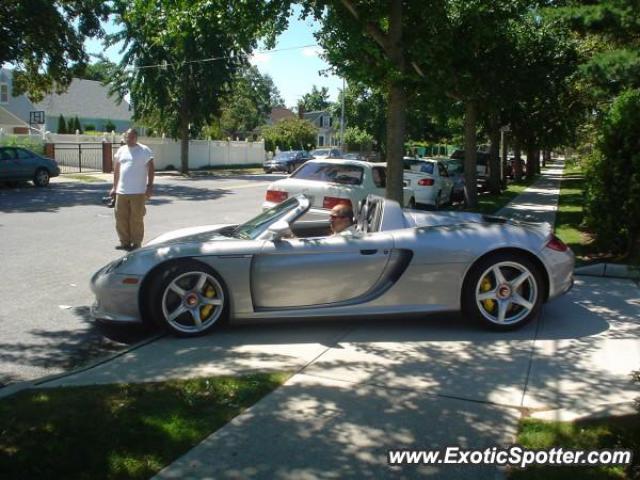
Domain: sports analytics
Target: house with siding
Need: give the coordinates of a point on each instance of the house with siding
(89, 100)
(323, 121)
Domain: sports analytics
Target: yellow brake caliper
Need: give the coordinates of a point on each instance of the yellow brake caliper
(485, 286)
(205, 311)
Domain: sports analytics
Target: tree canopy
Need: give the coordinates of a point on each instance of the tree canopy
(44, 39)
(317, 99)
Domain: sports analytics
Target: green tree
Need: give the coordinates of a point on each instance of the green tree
(44, 40)
(179, 65)
(76, 125)
(613, 178)
(317, 99)
(62, 125)
(290, 134)
(357, 140)
(249, 103)
(101, 71)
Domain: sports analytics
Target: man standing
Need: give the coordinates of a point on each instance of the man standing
(133, 173)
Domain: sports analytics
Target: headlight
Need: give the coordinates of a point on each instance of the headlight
(115, 265)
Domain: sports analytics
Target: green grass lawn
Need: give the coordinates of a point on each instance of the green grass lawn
(118, 431)
(489, 203)
(84, 178)
(570, 212)
(614, 432)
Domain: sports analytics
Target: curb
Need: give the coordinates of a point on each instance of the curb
(14, 388)
(609, 270)
(600, 411)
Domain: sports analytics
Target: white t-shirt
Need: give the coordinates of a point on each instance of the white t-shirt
(133, 168)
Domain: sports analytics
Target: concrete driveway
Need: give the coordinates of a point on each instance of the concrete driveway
(361, 388)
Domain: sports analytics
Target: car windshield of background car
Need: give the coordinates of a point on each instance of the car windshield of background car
(253, 228)
(285, 155)
(320, 153)
(330, 172)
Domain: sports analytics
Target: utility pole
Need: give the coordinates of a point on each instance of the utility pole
(342, 118)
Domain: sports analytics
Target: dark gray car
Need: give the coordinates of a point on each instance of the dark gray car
(19, 164)
(286, 161)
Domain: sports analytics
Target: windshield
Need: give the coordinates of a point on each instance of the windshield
(330, 172)
(285, 155)
(454, 166)
(253, 228)
(320, 153)
(418, 166)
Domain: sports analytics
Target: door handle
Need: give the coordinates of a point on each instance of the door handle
(368, 252)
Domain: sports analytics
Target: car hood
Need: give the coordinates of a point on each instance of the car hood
(198, 234)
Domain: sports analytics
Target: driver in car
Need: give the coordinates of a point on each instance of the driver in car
(341, 220)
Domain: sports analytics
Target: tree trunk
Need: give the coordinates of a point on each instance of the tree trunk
(517, 164)
(397, 113)
(396, 118)
(494, 155)
(505, 159)
(470, 157)
(546, 156)
(184, 128)
(531, 162)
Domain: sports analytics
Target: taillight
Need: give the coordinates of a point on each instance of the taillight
(556, 244)
(276, 196)
(425, 182)
(330, 202)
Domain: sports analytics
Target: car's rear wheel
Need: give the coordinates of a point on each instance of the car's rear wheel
(412, 204)
(290, 168)
(188, 298)
(436, 203)
(41, 177)
(503, 291)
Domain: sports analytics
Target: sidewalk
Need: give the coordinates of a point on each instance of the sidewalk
(362, 388)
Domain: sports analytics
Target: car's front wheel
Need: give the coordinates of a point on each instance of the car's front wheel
(41, 177)
(188, 298)
(503, 291)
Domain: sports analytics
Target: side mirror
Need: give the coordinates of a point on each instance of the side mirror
(278, 230)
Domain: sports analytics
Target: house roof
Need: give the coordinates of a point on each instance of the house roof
(9, 119)
(313, 116)
(280, 113)
(87, 99)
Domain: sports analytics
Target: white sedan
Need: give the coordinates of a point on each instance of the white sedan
(327, 183)
(429, 180)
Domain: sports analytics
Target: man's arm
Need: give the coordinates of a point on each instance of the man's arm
(151, 172)
(116, 178)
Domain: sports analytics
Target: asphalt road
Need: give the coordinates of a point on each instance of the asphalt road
(54, 239)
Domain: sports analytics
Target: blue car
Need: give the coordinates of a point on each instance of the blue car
(19, 164)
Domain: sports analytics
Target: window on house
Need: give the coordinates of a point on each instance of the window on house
(331, 121)
(321, 121)
(4, 93)
(321, 140)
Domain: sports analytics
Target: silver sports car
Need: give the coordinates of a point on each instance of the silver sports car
(282, 264)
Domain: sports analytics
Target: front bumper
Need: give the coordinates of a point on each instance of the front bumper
(275, 167)
(115, 301)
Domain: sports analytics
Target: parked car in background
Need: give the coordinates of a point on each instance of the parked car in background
(482, 166)
(429, 180)
(510, 168)
(320, 153)
(354, 156)
(286, 161)
(327, 183)
(19, 164)
(455, 168)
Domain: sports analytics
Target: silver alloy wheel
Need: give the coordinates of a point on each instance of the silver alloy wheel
(42, 177)
(192, 302)
(511, 294)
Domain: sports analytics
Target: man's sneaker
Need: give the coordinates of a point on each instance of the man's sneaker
(123, 247)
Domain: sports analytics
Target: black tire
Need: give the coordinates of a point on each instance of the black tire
(290, 168)
(412, 204)
(163, 300)
(436, 204)
(41, 177)
(505, 296)
(450, 201)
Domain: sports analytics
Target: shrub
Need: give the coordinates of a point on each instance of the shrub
(357, 140)
(613, 177)
(89, 127)
(290, 134)
(62, 125)
(109, 126)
